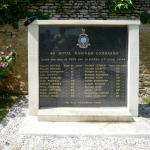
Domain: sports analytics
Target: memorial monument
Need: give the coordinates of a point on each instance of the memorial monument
(83, 70)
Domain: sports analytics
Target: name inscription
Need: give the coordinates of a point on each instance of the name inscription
(87, 77)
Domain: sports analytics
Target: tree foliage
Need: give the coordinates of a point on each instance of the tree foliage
(11, 11)
(120, 6)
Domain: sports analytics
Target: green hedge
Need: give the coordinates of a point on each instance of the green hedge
(13, 10)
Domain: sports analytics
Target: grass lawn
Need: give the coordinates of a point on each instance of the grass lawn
(6, 102)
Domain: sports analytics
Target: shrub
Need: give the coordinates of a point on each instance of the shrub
(7, 59)
(120, 6)
(11, 11)
(146, 99)
(145, 17)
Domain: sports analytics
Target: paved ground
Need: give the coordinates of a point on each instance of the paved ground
(10, 139)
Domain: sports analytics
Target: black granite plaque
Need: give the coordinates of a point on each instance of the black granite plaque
(83, 66)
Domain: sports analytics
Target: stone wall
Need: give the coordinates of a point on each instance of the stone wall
(86, 9)
(144, 81)
(71, 9)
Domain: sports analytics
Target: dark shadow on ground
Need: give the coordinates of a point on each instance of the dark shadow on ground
(16, 110)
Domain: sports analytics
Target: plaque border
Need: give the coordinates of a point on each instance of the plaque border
(133, 58)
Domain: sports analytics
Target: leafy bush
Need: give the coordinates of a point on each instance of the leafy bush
(7, 59)
(146, 99)
(7, 98)
(145, 17)
(120, 6)
(13, 10)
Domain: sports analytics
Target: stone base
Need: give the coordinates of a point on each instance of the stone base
(64, 114)
(139, 128)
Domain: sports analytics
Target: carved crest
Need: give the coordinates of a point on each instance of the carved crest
(83, 40)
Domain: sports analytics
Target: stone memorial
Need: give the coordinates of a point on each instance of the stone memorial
(83, 70)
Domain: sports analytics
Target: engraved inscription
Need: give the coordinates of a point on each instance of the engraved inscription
(70, 76)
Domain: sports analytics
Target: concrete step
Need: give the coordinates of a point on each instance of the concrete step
(79, 114)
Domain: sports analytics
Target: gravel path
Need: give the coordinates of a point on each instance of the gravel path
(11, 140)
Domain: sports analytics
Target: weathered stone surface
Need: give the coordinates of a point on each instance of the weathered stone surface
(86, 6)
(144, 60)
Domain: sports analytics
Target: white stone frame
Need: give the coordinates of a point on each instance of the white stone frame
(133, 58)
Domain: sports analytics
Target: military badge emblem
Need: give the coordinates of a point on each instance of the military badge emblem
(83, 40)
